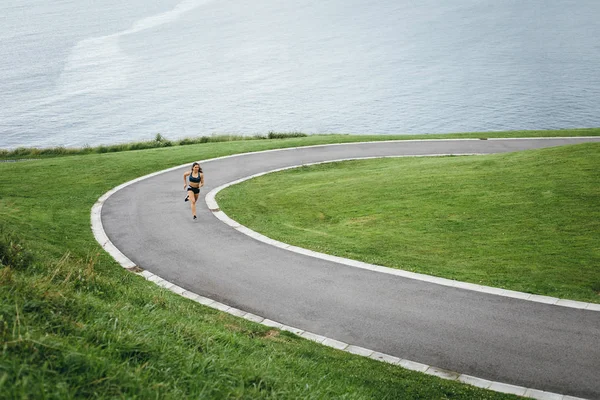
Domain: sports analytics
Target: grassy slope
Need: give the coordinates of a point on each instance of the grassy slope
(526, 221)
(74, 324)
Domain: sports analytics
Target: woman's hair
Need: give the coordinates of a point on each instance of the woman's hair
(199, 167)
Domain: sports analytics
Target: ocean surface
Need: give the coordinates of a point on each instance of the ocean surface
(86, 72)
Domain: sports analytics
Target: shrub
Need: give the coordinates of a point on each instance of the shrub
(283, 135)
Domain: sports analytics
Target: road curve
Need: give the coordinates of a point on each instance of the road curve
(524, 343)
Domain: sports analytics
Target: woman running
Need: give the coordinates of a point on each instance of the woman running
(193, 180)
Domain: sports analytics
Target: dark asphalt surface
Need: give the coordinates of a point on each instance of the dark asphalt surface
(524, 343)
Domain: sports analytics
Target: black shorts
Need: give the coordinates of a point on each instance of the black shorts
(193, 189)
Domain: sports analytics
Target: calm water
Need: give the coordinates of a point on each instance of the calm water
(87, 72)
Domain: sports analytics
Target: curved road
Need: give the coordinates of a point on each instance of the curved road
(524, 343)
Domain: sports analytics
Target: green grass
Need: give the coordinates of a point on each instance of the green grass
(74, 329)
(526, 221)
(74, 324)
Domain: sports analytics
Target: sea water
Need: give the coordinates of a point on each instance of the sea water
(76, 73)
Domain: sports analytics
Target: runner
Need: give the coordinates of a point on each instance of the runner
(193, 180)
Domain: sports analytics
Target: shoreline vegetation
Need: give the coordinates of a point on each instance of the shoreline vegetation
(75, 324)
(160, 141)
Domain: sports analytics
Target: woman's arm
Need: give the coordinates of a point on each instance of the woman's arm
(185, 175)
(201, 179)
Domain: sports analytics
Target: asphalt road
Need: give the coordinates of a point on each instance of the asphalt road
(535, 345)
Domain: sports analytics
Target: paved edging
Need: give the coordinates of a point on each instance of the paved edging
(214, 207)
(102, 238)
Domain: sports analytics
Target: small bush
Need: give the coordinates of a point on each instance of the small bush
(139, 146)
(283, 135)
(162, 141)
(22, 151)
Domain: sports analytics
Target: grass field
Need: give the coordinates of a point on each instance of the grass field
(526, 221)
(74, 324)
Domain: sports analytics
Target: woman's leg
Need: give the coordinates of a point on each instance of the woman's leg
(192, 196)
(195, 200)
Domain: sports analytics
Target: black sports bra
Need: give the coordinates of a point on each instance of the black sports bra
(195, 180)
